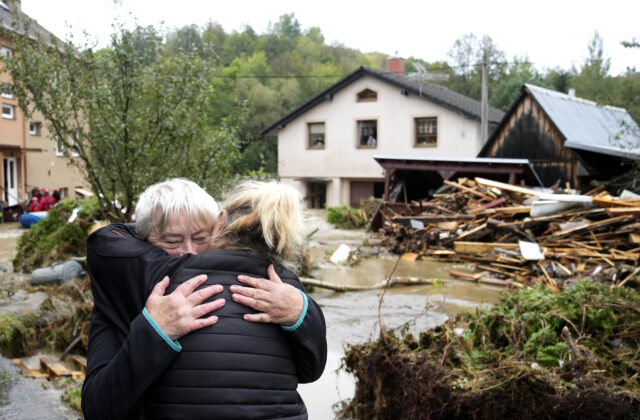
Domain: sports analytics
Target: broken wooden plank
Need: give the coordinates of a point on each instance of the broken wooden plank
(591, 226)
(23, 368)
(53, 369)
(80, 361)
(507, 187)
(602, 202)
(465, 275)
(409, 256)
(464, 247)
(473, 231)
(406, 220)
(513, 209)
(615, 211)
(469, 190)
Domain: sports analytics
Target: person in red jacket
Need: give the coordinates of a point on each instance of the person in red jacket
(46, 202)
(33, 205)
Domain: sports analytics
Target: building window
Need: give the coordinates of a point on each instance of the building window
(367, 95)
(59, 147)
(7, 111)
(6, 52)
(6, 91)
(74, 146)
(368, 133)
(427, 131)
(316, 135)
(34, 128)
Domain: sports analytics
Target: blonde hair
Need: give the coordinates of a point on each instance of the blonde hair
(266, 218)
(175, 196)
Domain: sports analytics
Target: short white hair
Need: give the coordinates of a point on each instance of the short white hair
(175, 196)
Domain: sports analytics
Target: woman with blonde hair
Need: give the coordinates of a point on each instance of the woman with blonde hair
(267, 335)
(248, 365)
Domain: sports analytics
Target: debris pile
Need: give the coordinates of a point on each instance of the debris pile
(518, 236)
(535, 354)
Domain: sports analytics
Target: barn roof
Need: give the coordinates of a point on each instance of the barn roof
(589, 126)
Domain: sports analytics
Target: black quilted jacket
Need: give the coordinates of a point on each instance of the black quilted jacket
(235, 368)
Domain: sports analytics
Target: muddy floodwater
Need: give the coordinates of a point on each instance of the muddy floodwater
(351, 318)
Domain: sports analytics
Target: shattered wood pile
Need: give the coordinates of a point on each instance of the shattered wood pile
(517, 236)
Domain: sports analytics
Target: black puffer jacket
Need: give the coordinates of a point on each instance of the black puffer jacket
(235, 368)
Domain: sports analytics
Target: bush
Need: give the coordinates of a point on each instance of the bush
(53, 238)
(345, 217)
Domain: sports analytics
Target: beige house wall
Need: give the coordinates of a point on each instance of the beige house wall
(343, 160)
(46, 168)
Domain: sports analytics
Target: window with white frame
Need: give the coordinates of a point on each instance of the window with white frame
(59, 147)
(74, 146)
(426, 132)
(316, 135)
(34, 128)
(6, 52)
(7, 111)
(6, 91)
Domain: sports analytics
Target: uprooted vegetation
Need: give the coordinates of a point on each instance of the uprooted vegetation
(534, 355)
(54, 238)
(62, 317)
(345, 217)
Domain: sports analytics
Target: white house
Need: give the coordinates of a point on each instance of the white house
(326, 146)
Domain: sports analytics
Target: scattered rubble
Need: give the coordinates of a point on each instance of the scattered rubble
(499, 226)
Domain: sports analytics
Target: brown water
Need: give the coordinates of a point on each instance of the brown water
(351, 317)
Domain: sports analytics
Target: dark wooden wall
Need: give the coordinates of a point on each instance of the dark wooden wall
(529, 134)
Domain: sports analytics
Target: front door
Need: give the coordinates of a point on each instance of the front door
(10, 195)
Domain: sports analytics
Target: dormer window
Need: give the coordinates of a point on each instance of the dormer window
(367, 95)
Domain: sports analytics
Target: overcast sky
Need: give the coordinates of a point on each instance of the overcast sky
(550, 32)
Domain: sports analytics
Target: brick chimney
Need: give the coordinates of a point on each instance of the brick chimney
(396, 65)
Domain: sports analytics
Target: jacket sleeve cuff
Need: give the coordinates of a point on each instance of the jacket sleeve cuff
(302, 314)
(174, 344)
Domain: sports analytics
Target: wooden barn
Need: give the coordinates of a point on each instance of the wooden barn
(566, 139)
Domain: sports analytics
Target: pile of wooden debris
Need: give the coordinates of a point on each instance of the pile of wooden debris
(518, 236)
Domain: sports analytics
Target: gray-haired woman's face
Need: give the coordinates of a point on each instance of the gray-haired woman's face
(182, 236)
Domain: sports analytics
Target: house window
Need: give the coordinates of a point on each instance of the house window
(7, 111)
(6, 91)
(5, 52)
(367, 95)
(368, 133)
(59, 147)
(427, 131)
(74, 147)
(316, 135)
(34, 128)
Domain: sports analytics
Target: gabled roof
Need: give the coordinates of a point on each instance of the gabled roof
(9, 20)
(427, 91)
(584, 124)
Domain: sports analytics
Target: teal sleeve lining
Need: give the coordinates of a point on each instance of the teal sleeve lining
(174, 344)
(302, 315)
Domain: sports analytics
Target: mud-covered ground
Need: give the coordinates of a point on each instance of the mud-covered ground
(351, 317)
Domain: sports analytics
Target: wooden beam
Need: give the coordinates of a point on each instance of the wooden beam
(507, 187)
(481, 247)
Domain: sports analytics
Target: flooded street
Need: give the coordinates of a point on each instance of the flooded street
(351, 317)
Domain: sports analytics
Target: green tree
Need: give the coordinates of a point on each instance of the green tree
(508, 88)
(132, 113)
(593, 81)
